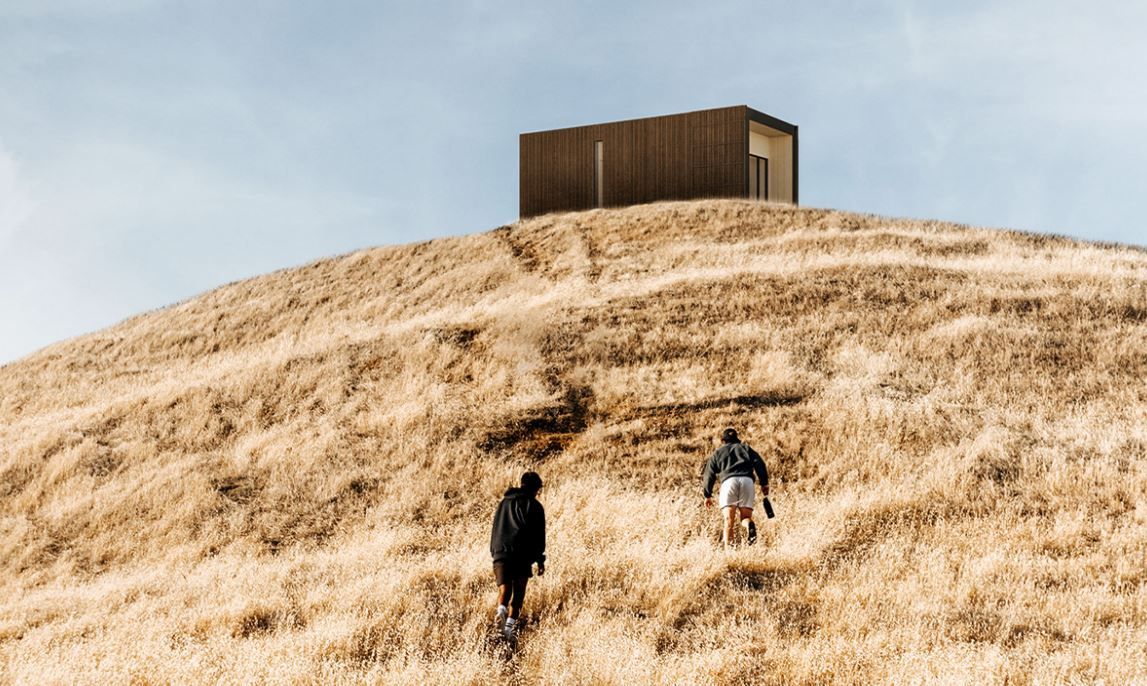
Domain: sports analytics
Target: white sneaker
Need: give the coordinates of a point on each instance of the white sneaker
(510, 631)
(500, 616)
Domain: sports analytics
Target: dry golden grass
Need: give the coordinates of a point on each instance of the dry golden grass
(290, 479)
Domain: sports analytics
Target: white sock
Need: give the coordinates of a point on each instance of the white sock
(510, 622)
(502, 611)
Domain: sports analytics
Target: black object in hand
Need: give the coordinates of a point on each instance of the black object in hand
(769, 509)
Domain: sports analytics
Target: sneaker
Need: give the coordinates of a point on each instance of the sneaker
(500, 616)
(510, 631)
(752, 532)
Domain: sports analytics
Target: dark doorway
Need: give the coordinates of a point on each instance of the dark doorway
(758, 177)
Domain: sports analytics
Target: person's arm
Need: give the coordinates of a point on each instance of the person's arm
(708, 476)
(541, 540)
(762, 472)
(496, 531)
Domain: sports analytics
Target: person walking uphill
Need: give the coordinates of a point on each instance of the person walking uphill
(734, 464)
(517, 541)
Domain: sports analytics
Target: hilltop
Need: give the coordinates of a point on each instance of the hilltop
(289, 479)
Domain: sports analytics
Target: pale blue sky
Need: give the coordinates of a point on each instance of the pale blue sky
(151, 150)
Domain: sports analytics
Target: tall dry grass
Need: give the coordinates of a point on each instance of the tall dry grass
(290, 479)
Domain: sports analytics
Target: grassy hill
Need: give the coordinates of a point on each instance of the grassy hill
(290, 479)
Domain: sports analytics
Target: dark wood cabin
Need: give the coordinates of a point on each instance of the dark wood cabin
(730, 152)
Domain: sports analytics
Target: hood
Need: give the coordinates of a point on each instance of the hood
(516, 492)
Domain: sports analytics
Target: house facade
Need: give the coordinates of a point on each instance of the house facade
(729, 152)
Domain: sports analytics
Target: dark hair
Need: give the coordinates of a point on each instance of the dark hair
(531, 482)
(730, 436)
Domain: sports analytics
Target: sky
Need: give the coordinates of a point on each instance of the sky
(151, 150)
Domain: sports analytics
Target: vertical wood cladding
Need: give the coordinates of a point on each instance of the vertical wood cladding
(674, 157)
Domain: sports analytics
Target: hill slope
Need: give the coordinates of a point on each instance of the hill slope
(291, 478)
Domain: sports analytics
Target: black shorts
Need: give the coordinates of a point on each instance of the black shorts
(505, 571)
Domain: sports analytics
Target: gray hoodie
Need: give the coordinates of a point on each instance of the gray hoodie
(732, 459)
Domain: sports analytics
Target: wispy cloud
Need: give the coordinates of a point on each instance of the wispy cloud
(152, 149)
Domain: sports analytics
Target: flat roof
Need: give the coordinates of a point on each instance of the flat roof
(771, 121)
(754, 115)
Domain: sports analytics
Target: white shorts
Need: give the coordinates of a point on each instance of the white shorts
(737, 491)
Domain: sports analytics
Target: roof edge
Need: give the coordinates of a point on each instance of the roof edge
(771, 121)
(784, 126)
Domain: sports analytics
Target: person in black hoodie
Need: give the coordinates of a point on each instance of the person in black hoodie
(517, 541)
(734, 465)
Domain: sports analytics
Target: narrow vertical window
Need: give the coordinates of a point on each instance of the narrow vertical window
(598, 172)
(758, 177)
(763, 178)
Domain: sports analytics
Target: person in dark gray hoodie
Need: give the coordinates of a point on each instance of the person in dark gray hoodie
(517, 541)
(734, 465)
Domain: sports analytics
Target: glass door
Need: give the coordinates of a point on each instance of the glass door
(758, 177)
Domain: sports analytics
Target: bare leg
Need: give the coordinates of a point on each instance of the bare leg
(746, 515)
(730, 532)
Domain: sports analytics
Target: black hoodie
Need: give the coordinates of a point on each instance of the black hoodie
(519, 530)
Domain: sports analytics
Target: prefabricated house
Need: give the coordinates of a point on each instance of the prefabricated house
(730, 152)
